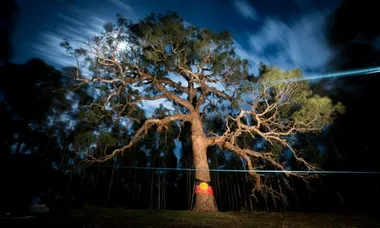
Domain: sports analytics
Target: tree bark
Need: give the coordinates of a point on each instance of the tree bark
(241, 198)
(159, 192)
(203, 202)
(134, 189)
(190, 187)
(273, 199)
(110, 183)
(236, 204)
(151, 190)
(164, 191)
(284, 200)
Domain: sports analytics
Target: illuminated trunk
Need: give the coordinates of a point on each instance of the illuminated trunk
(204, 198)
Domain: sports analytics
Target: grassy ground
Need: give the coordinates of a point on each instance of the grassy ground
(97, 218)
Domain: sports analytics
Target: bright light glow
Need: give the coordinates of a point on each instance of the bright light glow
(348, 73)
(121, 46)
(203, 186)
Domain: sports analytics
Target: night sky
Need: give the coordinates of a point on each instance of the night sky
(286, 33)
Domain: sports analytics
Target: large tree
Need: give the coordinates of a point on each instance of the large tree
(198, 74)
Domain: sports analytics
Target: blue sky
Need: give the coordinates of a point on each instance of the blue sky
(286, 33)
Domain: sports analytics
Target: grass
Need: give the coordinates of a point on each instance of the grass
(112, 218)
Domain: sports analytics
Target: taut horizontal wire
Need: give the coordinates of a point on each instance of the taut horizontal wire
(240, 170)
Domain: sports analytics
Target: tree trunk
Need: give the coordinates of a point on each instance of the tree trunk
(218, 192)
(134, 190)
(97, 182)
(284, 199)
(82, 182)
(190, 186)
(110, 183)
(247, 183)
(48, 140)
(241, 198)
(164, 182)
(203, 201)
(151, 190)
(236, 204)
(228, 188)
(164, 191)
(273, 199)
(159, 192)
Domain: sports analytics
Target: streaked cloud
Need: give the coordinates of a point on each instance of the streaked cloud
(70, 19)
(125, 8)
(246, 9)
(298, 44)
(75, 23)
(72, 28)
(49, 49)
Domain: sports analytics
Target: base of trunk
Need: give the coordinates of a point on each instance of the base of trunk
(205, 203)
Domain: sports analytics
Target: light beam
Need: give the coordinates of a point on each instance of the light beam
(347, 73)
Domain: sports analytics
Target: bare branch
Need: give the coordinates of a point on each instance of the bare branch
(175, 98)
(206, 89)
(174, 85)
(160, 123)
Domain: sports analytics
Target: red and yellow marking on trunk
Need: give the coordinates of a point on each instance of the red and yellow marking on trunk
(204, 188)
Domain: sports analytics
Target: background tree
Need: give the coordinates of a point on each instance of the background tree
(9, 11)
(162, 155)
(198, 73)
(186, 179)
(349, 144)
(356, 41)
(32, 101)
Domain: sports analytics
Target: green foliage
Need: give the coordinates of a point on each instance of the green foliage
(83, 140)
(167, 41)
(161, 111)
(107, 139)
(278, 79)
(296, 101)
(316, 107)
(262, 68)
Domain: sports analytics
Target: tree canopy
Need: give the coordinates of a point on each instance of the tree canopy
(198, 75)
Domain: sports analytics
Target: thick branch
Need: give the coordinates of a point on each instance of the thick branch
(175, 98)
(206, 89)
(279, 135)
(131, 104)
(174, 85)
(160, 123)
(125, 80)
(226, 142)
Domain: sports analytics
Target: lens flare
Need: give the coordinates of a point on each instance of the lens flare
(348, 73)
